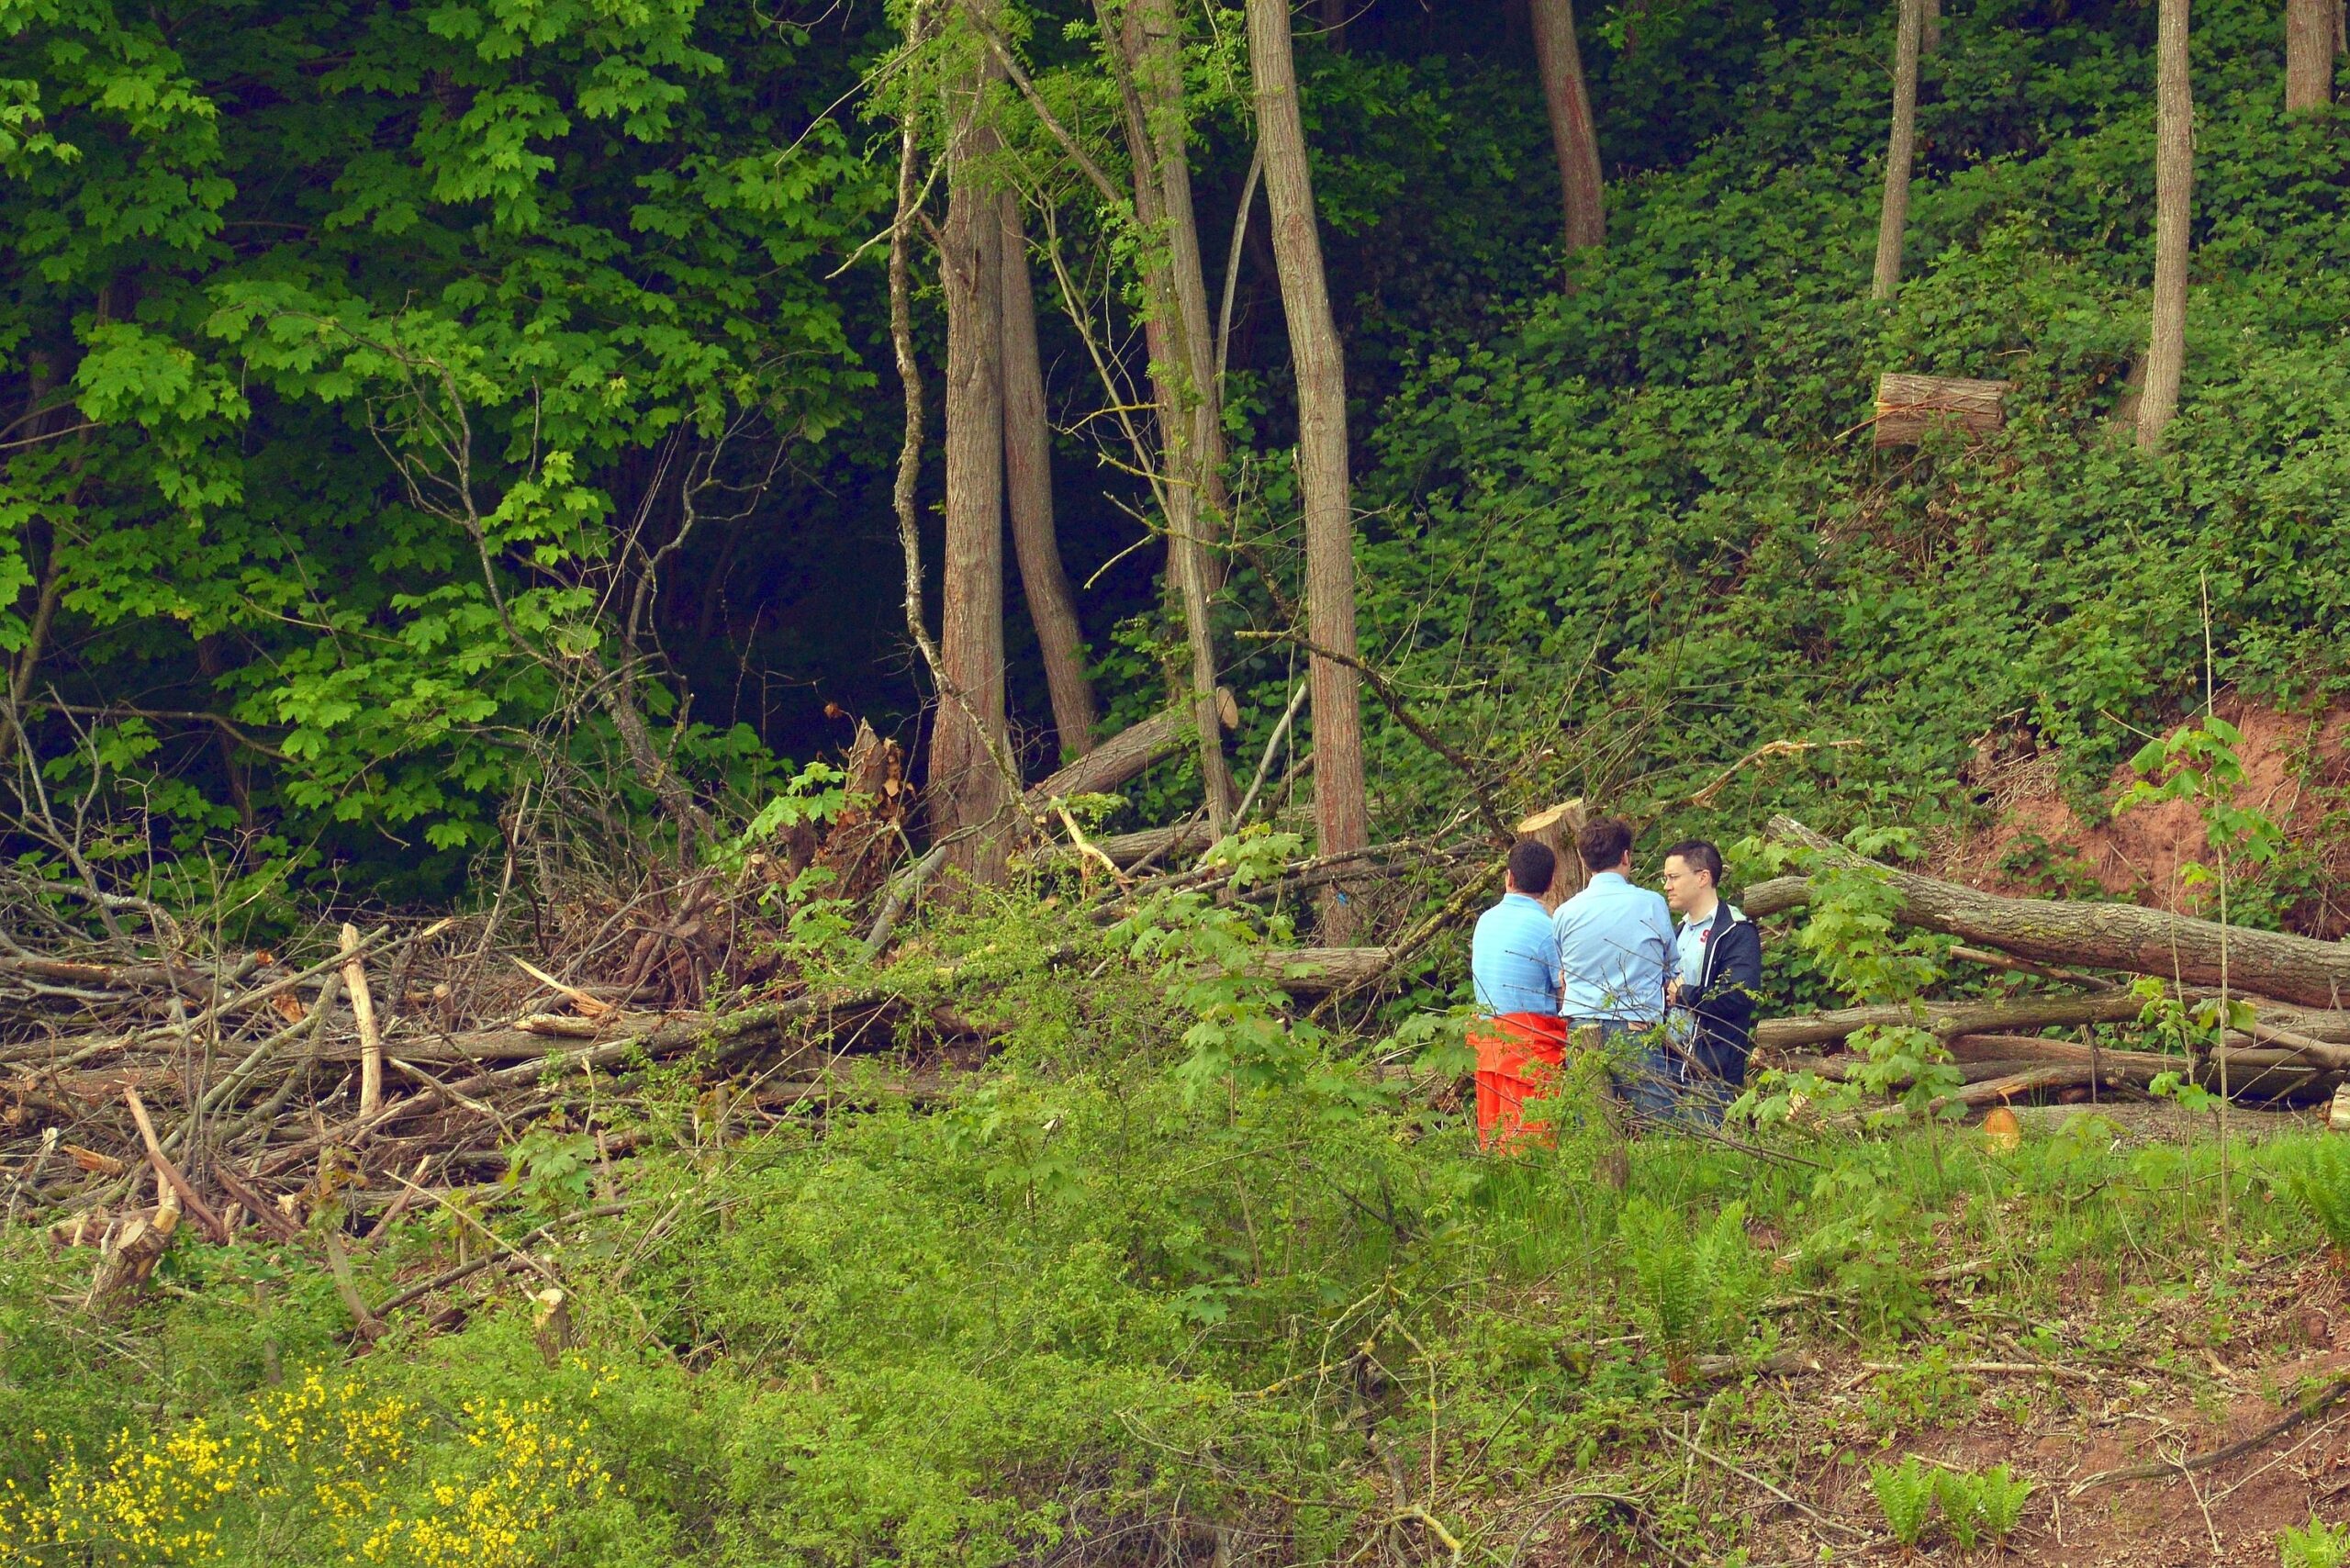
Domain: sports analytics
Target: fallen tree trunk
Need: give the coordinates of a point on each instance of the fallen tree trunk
(2099, 935)
(1127, 753)
(1318, 971)
(1949, 1020)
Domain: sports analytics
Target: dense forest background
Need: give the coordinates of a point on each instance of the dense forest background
(546, 1019)
(408, 404)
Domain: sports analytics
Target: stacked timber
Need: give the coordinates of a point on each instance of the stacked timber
(2295, 1042)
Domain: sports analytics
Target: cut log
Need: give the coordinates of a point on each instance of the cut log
(1907, 406)
(1841, 1069)
(1948, 1020)
(1127, 753)
(2107, 936)
(2027, 1048)
(1557, 828)
(1316, 971)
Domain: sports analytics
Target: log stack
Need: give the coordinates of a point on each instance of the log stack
(2297, 1043)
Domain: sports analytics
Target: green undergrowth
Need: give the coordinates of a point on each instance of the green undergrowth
(1169, 1265)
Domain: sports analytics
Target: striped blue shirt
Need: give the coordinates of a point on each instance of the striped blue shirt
(1514, 960)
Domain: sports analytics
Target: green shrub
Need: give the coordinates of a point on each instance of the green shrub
(1906, 1494)
(2316, 1545)
(2001, 1497)
(1692, 1291)
(2317, 1174)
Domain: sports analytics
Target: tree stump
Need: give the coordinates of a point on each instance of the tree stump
(1557, 826)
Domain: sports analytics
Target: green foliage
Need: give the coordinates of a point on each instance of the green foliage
(1693, 1290)
(1905, 1493)
(551, 1171)
(2000, 1497)
(1861, 952)
(433, 309)
(1963, 1514)
(2316, 1545)
(2317, 1174)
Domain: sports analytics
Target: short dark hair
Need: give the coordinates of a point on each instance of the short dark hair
(1532, 864)
(1699, 855)
(1604, 842)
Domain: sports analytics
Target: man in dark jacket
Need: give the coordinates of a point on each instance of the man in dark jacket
(1712, 998)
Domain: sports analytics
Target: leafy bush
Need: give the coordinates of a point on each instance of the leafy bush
(337, 1470)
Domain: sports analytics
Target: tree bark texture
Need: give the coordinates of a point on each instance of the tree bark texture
(1573, 138)
(1930, 34)
(2309, 54)
(1191, 481)
(1342, 818)
(1028, 485)
(1909, 408)
(2174, 187)
(1128, 752)
(1334, 22)
(1893, 216)
(1157, 41)
(2107, 936)
(965, 792)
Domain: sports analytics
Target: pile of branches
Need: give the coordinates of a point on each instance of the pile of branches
(2294, 1043)
(150, 1087)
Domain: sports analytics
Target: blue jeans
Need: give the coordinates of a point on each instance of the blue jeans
(1642, 1073)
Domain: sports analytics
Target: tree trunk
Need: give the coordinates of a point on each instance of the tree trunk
(1156, 47)
(964, 791)
(1342, 818)
(1573, 138)
(1128, 752)
(2103, 935)
(1149, 61)
(1930, 36)
(1893, 217)
(1028, 484)
(2174, 184)
(1334, 22)
(2309, 54)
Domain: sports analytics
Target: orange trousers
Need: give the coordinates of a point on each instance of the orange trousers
(1518, 1053)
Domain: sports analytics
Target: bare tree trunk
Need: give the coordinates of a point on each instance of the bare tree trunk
(1573, 138)
(1192, 484)
(1893, 217)
(1334, 22)
(1156, 47)
(1028, 484)
(2309, 54)
(2173, 185)
(966, 794)
(1342, 818)
(1930, 36)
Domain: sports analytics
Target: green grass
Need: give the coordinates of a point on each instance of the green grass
(1080, 1303)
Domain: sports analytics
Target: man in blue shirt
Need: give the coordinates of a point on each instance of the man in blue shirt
(1514, 964)
(1615, 951)
(1514, 959)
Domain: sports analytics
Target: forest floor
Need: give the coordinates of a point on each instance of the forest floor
(2114, 1377)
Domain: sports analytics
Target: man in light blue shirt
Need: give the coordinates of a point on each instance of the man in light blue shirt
(1514, 959)
(1617, 948)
